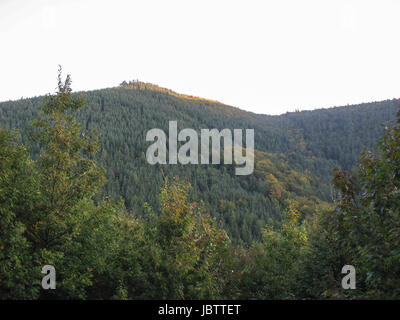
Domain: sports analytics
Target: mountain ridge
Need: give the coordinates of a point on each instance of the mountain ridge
(154, 87)
(295, 152)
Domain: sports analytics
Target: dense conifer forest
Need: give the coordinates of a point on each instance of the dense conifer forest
(76, 192)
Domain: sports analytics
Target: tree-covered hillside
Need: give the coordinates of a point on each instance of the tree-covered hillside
(294, 152)
(342, 133)
(54, 213)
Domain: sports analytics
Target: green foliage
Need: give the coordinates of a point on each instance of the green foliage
(177, 246)
(369, 211)
(319, 274)
(46, 210)
(189, 256)
(17, 197)
(363, 230)
(274, 263)
(298, 149)
(67, 176)
(67, 179)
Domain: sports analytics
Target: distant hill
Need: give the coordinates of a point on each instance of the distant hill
(294, 151)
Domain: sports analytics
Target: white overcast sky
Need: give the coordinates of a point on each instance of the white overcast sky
(262, 56)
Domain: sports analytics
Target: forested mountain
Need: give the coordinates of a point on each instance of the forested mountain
(295, 152)
(285, 240)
